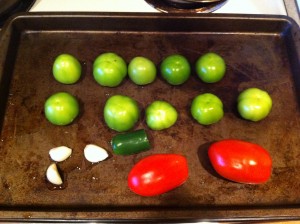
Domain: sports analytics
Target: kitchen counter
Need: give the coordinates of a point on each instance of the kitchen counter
(293, 8)
(275, 7)
(232, 6)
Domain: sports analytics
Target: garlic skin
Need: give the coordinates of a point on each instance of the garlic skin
(60, 153)
(94, 153)
(53, 175)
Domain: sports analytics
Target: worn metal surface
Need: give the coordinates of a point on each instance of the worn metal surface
(260, 51)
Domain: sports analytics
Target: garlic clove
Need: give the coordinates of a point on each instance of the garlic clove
(94, 153)
(53, 175)
(60, 153)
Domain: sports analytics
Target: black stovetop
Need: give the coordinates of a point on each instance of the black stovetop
(10, 7)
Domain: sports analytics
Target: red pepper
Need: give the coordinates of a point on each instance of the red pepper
(241, 161)
(157, 174)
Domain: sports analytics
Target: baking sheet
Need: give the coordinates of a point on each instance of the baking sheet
(260, 51)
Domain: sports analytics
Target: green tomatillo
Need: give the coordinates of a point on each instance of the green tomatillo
(254, 104)
(141, 70)
(175, 69)
(121, 113)
(66, 69)
(210, 67)
(207, 109)
(109, 69)
(61, 108)
(160, 115)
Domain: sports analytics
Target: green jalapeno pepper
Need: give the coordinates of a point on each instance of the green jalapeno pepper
(130, 143)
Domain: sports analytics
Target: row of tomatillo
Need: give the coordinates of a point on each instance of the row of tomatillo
(110, 69)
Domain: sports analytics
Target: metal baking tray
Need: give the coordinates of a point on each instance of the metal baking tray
(260, 51)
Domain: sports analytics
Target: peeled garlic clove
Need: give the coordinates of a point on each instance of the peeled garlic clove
(94, 153)
(53, 175)
(60, 153)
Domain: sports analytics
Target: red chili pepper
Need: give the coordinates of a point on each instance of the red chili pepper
(157, 174)
(241, 161)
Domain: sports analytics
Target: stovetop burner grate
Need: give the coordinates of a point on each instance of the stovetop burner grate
(170, 7)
